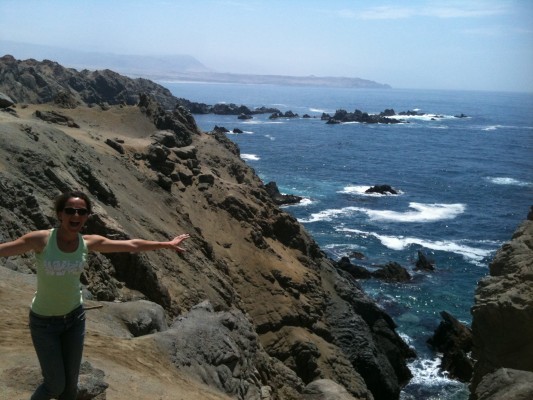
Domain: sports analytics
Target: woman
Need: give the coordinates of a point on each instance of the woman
(57, 317)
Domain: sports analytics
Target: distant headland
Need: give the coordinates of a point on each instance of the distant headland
(172, 68)
(311, 80)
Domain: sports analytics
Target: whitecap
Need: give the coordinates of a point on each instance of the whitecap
(250, 157)
(354, 190)
(425, 117)
(304, 202)
(329, 215)
(241, 133)
(508, 181)
(490, 128)
(401, 242)
(421, 213)
(257, 122)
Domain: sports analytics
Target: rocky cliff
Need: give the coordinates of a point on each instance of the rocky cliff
(502, 324)
(253, 309)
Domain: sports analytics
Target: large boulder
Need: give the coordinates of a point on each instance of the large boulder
(222, 350)
(5, 101)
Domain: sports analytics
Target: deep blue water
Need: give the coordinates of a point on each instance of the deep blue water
(466, 184)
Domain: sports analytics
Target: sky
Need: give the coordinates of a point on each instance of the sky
(417, 44)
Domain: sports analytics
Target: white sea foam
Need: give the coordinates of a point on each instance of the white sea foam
(250, 157)
(242, 133)
(425, 117)
(427, 372)
(304, 202)
(421, 213)
(270, 137)
(354, 189)
(508, 181)
(401, 242)
(257, 122)
(329, 215)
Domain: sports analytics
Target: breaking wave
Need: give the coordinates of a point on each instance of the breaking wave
(401, 242)
(250, 157)
(420, 213)
(507, 181)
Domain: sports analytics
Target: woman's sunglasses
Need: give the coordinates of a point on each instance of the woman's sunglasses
(71, 211)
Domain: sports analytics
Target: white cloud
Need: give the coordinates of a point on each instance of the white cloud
(435, 10)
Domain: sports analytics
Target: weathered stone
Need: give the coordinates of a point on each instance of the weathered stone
(392, 272)
(502, 324)
(115, 145)
(5, 101)
(505, 383)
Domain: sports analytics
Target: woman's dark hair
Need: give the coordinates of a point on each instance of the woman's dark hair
(61, 200)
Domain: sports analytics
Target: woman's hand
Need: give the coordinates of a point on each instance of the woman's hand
(175, 243)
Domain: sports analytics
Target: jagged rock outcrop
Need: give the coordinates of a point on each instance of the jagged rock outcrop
(281, 199)
(32, 81)
(423, 263)
(225, 109)
(361, 117)
(454, 340)
(304, 318)
(502, 323)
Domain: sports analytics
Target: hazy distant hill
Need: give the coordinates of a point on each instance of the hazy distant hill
(130, 64)
(172, 68)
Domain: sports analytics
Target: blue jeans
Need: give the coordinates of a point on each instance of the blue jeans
(58, 342)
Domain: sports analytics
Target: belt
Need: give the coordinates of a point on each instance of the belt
(71, 314)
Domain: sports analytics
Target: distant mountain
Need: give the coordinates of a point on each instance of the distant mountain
(168, 68)
(128, 64)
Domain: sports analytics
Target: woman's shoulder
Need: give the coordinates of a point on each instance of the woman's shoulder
(39, 239)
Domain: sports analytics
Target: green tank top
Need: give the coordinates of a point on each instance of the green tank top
(58, 278)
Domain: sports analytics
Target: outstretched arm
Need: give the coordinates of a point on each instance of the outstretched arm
(33, 241)
(105, 245)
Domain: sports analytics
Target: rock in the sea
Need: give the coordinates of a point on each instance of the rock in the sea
(280, 199)
(356, 271)
(392, 272)
(454, 340)
(382, 189)
(423, 263)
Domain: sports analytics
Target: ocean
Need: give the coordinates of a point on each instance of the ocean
(465, 184)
